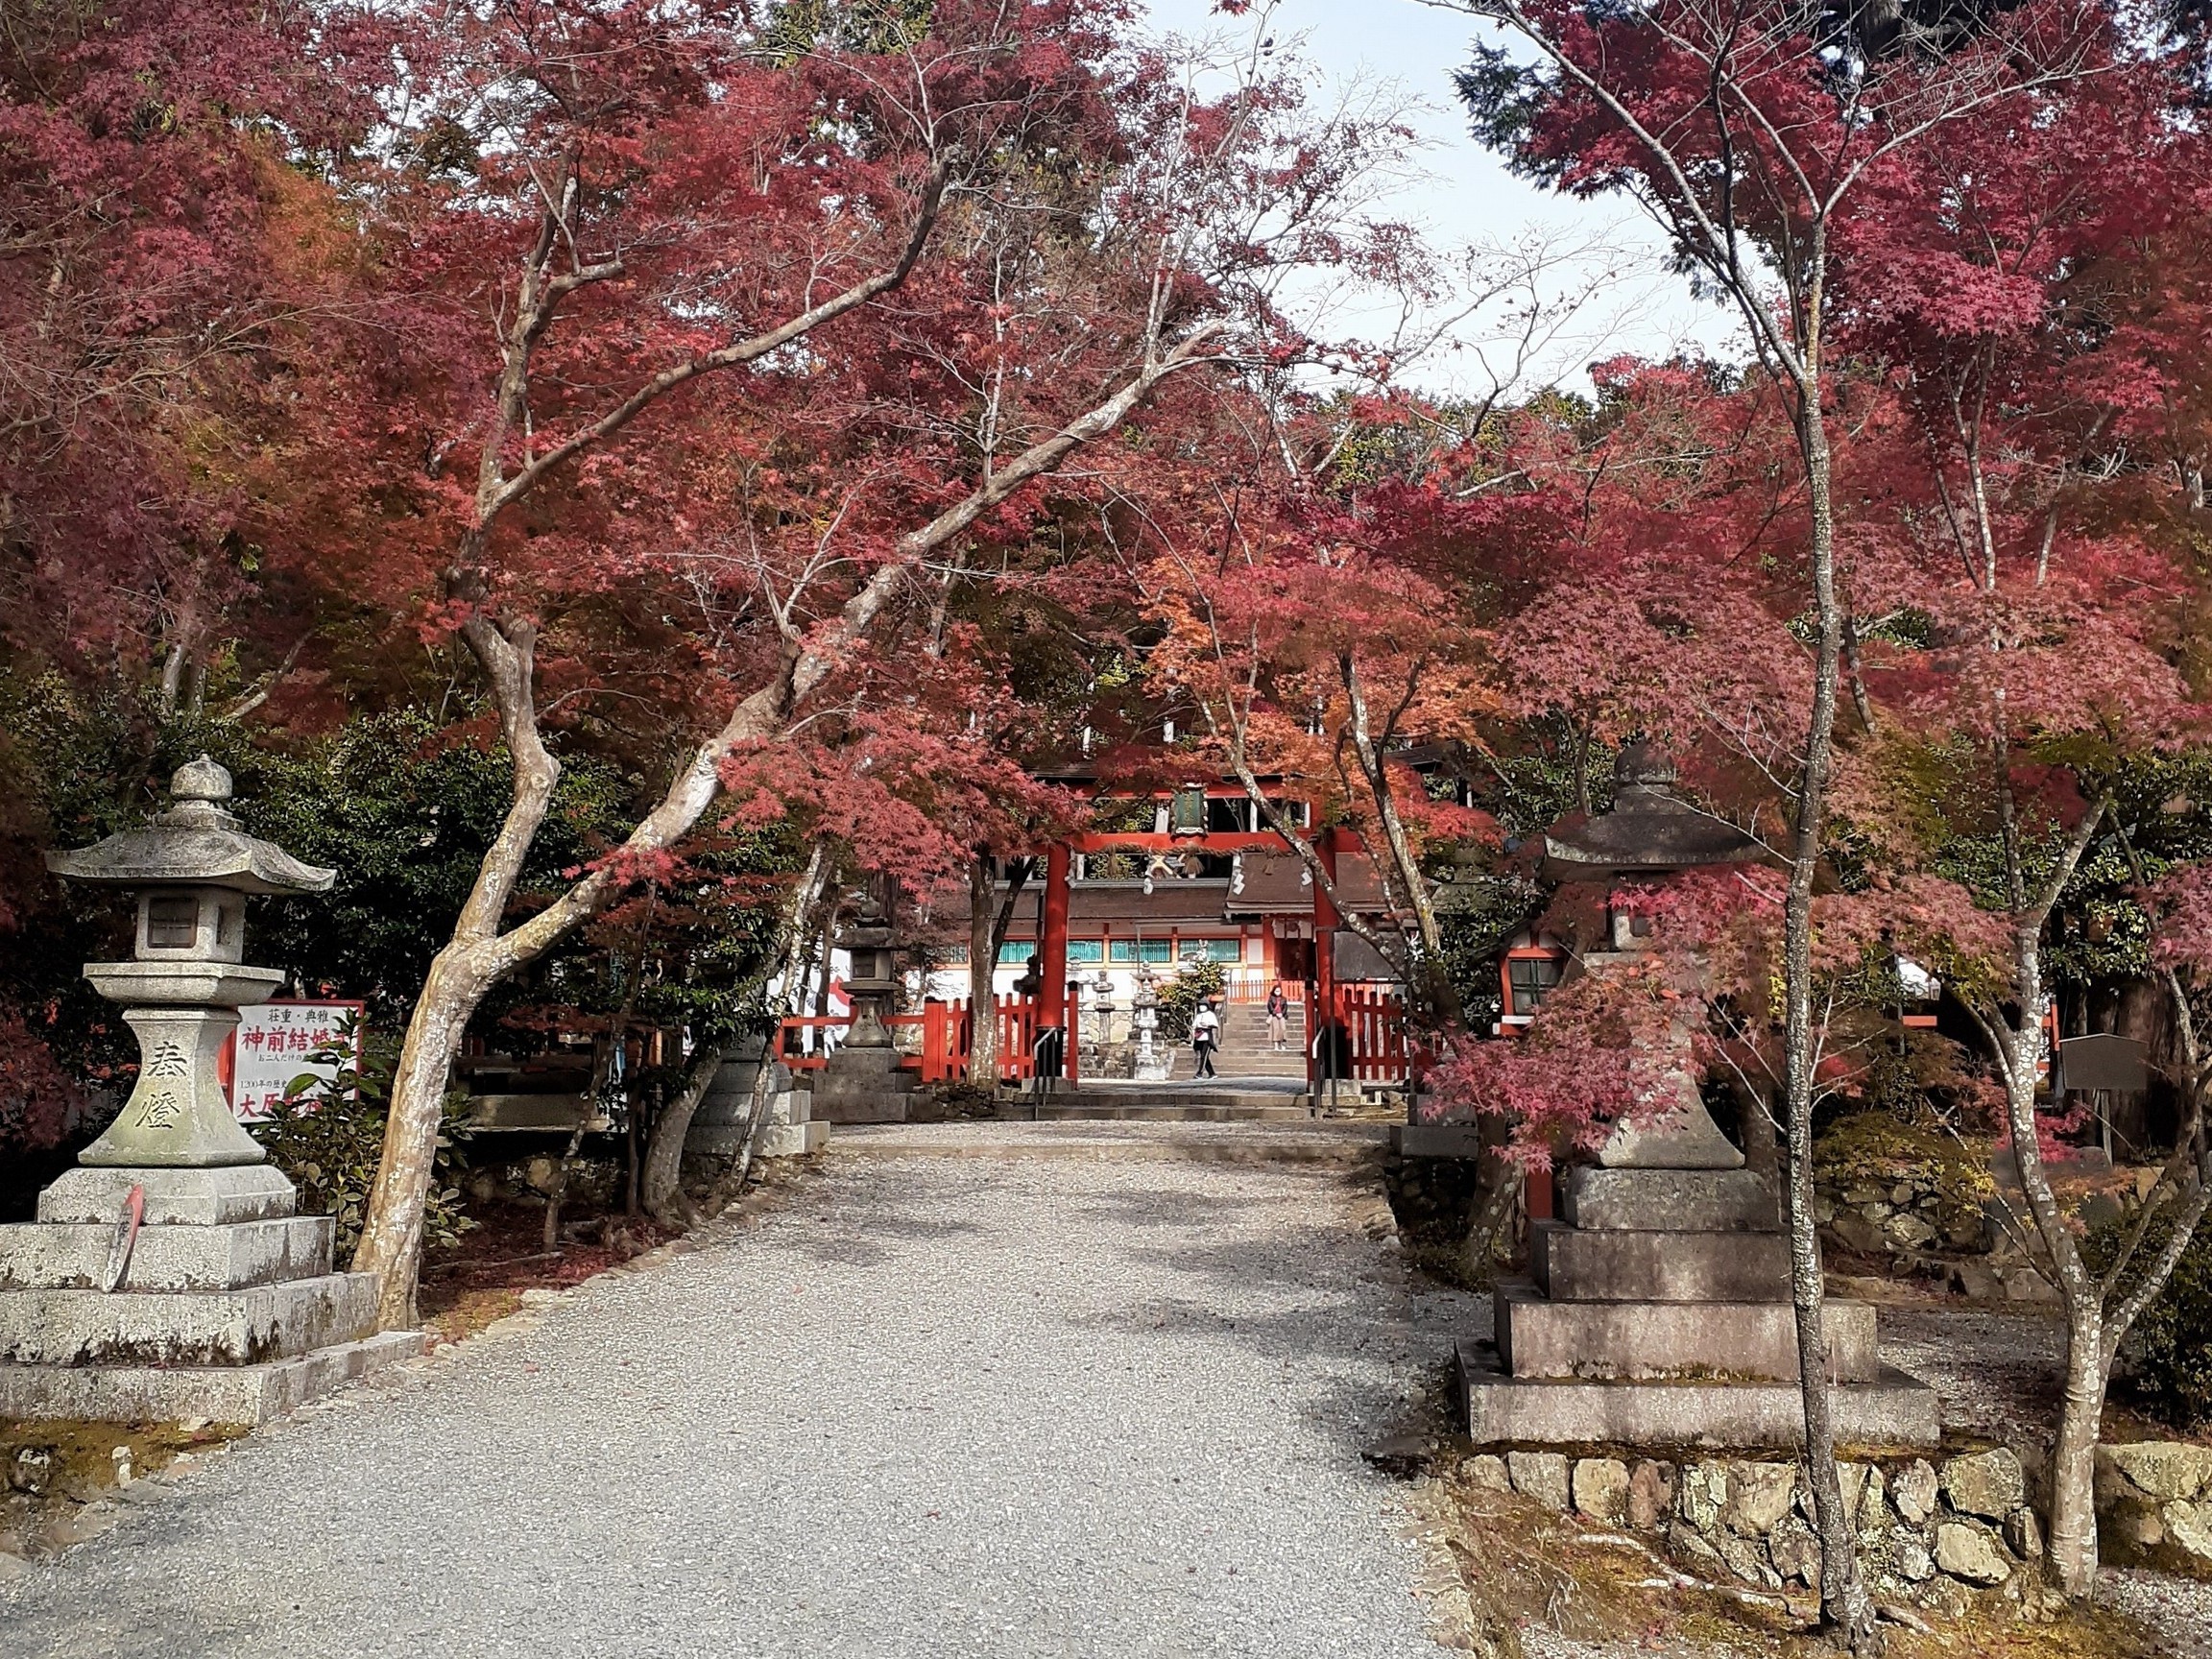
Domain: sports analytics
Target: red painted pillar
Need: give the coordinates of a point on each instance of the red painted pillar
(1537, 1194)
(1325, 921)
(1052, 941)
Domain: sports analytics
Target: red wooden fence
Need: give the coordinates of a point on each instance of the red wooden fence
(1373, 1023)
(948, 1040)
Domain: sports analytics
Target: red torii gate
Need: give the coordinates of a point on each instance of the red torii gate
(1327, 844)
(1368, 1028)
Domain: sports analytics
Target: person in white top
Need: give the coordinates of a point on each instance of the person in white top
(1205, 1037)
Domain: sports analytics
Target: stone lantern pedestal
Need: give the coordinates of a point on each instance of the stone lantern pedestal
(168, 1276)
(787, 1129)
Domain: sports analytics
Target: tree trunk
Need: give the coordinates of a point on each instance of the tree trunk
(987, 929)
(663, 1184)
(2073, 1517)
(391, 1242)
(982, 964)
(559, 1193)
(1846, 1610)
(2093, 1328)
(631, 1173)
(2072, 1510)
(825, 960)
(1374, 765)
(797, 928)
(1497, 1190)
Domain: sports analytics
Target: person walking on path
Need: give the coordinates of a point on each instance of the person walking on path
(1277, 1019)
(1205, 1037)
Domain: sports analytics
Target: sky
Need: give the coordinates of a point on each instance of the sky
(1461, 196)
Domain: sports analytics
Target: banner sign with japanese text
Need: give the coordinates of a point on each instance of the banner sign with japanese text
(275, 1040)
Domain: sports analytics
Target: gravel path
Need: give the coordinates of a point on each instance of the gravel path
(993, 1406)
(1997, 1372)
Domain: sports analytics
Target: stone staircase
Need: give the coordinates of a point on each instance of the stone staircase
(1245, 1051)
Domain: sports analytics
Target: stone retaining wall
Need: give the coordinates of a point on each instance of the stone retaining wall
(1904, 1217)
(2154, 1506)
(1931, 1533)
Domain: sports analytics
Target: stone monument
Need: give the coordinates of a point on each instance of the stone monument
(1657, 1312)
(167, 1276)
(864, 1082)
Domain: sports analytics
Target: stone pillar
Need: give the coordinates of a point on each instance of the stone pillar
(183, 1013)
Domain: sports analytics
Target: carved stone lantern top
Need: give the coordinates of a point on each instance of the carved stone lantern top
(197, 843)
(1650, 829)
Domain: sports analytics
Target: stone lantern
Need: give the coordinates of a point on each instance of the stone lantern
(865, 1081)
(1657, 1311)
(167, 1276)
(1152, 1063)
(192, 868)
(1650, 834)
(874, 979)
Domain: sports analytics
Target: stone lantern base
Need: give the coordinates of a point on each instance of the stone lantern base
(787, 1127)
(861, 1085)
(225, 1308)
(1659, 1316)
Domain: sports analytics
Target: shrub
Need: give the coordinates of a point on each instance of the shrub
(326, 1135)
(1180, 996)
(1876, 1148)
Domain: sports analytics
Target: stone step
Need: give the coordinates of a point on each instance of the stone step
(237, 1396)
(791, 1139)
(1288, 1067)
(1583, 1264)
(1436, 1140)
(885, 1107)
(1249, 1020)
(1889, 1412)
(1669, 1201)
(179, 1196)
(1160, 1102)
(71, 1255)
(187, 1328)
(1639, 1340)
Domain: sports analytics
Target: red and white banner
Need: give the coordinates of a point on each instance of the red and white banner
(271, 1051)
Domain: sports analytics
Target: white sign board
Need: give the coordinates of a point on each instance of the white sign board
(273, 1047)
